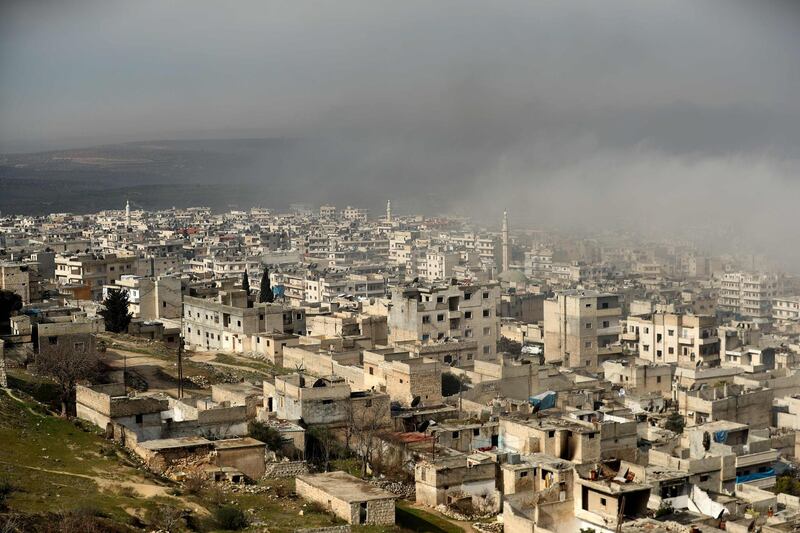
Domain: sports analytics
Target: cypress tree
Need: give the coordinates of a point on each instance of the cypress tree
(116, 314)
(246, 283)
(265, 290)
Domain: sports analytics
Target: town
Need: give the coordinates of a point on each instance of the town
(330, 369)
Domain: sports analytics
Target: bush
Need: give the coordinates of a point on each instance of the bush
(6, 488)
(266, 434)
(165, 517)
(230, 518)
(194, 483)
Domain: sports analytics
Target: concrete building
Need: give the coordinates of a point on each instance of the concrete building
(726, 402)
(687, 340)
(324, 401)
(582, 328)
(407, 380)
(786, 309)
(15, 277)
(229, 323)
(93, 271)
(351, 499)
(150, 299)
(429, 314)
(748, 294)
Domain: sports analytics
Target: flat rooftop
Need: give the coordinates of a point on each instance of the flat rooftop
(180, 442)
(346, 487)
(244, 442)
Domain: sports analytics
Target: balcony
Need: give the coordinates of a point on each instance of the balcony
(611, 330)
(610, 311)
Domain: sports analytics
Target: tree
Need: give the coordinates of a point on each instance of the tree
(364, 423)
(265, 290)
(67, 367)
(675, 422)
(10, 302)
(246, 283)
(451, 384)
(116, 314)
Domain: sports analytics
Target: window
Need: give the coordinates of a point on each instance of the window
(587, 344)
(523, 474)
(704, 477)
(468, 296)
(368, 403)
(163, 303)
(588, 325)
(327, 402)
(455, 434)
(439, 299)
(139, 419)
(80, 346)
(588, 306)
(371, 371)
(671, 332)
(476, 432)
(658, 379)
(486, 350)
(426, 337)
(487, 330)
(486, 313)
(485, 295)
(605, 323)
(468, 333)
(426, 319)
(670, 350)
(468, 315)
(440, 317)
(238, 323)
(551, 434)
(658, 353)
(52, 340)
(603, 502)
(646, 347)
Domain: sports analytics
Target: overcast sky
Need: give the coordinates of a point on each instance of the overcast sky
(673, 110)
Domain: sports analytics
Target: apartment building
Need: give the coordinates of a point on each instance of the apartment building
(581, 328)
(229, 323)
(434, 313)
(749, 294)
(786, 309)
(688, 340)
(94, 271)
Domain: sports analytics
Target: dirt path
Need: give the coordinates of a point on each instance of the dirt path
(145, 490)
(145, 365)
(23, 402)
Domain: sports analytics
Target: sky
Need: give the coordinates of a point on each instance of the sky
(644, 114)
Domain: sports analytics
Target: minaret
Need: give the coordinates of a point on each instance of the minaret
(505, 242)
(389, 211)
(128, 214)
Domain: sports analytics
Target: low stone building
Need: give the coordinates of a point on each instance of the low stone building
(349, 498)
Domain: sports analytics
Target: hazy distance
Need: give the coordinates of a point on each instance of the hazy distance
(654, 116)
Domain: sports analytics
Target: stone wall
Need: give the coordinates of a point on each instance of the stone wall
(285, 469)
(331, 529)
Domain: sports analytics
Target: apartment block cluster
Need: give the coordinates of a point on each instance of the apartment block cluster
(558, 382)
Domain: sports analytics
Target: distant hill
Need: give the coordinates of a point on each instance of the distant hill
(153, 174)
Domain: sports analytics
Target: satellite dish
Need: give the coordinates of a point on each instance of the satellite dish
(415, 401)
(423, 426)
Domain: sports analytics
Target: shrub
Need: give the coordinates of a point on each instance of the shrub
(266, 434)
(230, 518)
(6, 488)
